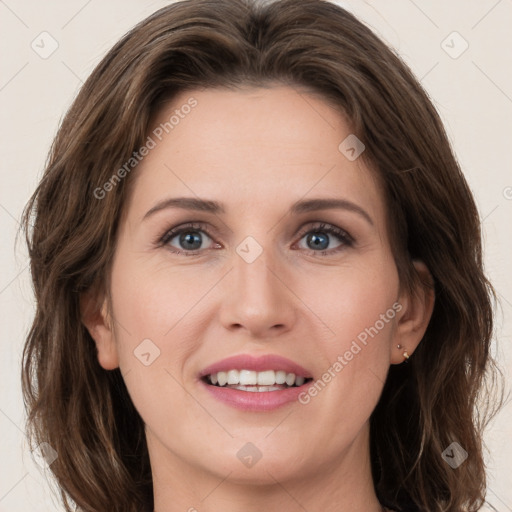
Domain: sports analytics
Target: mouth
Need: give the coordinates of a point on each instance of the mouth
(255, 383)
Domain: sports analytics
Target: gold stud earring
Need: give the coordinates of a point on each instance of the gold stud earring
(405, 354)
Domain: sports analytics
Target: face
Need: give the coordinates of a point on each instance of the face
(277, 252)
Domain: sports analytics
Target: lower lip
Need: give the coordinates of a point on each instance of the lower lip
(255, 401)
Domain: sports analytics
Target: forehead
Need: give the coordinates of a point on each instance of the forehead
(252, 146)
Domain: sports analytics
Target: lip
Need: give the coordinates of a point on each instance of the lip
(255, 401)
(258, 364)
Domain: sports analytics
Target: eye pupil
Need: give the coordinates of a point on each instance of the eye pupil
(319, 241)
(188, 239)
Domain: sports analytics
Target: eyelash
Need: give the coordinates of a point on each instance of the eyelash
(320, 227)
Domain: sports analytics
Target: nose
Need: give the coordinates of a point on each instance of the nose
(257, 298)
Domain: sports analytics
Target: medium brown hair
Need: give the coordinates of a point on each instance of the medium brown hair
(85, 413)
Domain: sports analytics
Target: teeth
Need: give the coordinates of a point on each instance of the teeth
(258, 381)
(233, 377)
(280, 377)
(257, 388)
(267, 378)
(248, 378)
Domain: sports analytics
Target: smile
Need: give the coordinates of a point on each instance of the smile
(255, 382)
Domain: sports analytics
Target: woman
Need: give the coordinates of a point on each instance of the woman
(258, 275)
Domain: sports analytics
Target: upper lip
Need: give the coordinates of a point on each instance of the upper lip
(256, 363)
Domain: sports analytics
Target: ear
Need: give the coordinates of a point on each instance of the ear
(98, 321)
(414, 317)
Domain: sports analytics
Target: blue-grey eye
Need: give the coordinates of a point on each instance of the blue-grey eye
(318, 241)
(188, 240)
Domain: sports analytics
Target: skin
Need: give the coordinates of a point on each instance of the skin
(257, 151)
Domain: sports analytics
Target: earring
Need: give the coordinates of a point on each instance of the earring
(405, 354)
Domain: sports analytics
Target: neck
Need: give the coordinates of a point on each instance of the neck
(343, 483)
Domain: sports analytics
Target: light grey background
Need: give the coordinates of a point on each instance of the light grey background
(473, 93)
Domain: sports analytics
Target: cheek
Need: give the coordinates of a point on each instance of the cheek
(353, 298)
(151, 307)
(359, 306)
(151, 300)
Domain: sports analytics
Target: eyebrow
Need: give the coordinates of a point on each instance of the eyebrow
(301, 206)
